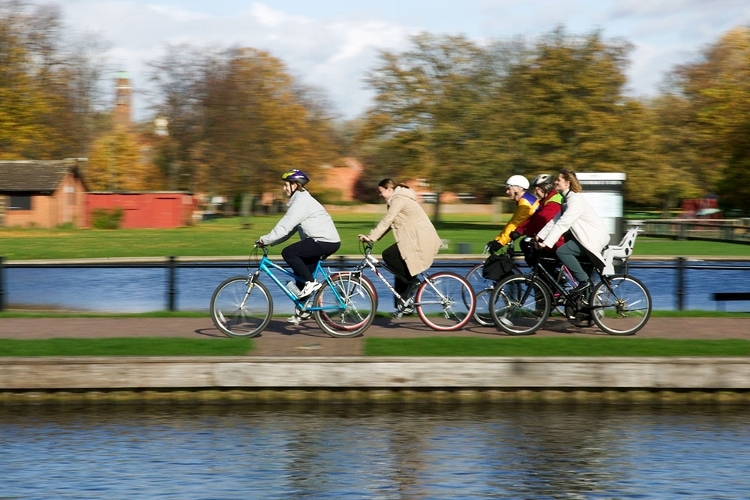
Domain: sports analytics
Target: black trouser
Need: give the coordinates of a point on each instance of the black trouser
(396, 263)
(304, 255)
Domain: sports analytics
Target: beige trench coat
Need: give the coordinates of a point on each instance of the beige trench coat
(418, 242)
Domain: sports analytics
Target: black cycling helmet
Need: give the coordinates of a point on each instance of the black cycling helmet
(295, 175)
(542, 180)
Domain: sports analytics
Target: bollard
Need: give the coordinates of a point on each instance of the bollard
(464, 248)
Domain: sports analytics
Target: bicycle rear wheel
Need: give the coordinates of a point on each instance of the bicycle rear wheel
(622, 309)
(519, 305)
(445, 301)
(240, 308)
(347, 306)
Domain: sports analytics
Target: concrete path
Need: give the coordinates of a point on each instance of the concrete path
(306, 339)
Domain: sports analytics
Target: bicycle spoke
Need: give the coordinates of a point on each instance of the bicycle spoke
(345, 306)
(239, 309)
(445, 301)
(519, 305)
(622, 308)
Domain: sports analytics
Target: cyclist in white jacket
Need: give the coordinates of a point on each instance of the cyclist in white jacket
(586, 233)
(318, 235)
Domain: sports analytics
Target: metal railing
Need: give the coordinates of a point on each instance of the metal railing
(728, 230)
(172, 264)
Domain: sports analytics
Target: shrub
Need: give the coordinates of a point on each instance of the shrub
(101, 218)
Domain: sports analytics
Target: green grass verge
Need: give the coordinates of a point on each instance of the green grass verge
(143, 346)
(552, 346)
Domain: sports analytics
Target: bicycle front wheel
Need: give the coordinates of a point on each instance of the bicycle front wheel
(519, 305)
(623, 307)
(476, 280)
(346, 306)
(482, 310)
(240, 308)
(445, 301)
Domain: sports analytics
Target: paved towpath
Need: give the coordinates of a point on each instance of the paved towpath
(306, 339)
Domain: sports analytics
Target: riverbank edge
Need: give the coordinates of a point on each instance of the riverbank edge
(157, 380)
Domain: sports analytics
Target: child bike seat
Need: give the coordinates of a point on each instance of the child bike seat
(621, 251)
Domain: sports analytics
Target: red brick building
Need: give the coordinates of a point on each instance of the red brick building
(153, 209)
(36, 193)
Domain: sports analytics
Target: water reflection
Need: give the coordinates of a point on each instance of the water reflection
(502, 451)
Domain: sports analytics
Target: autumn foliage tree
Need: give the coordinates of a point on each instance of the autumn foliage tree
(428, 120)
(713, 94)
(48, 84)
(117, 164)
(466, 117)
(237, 120)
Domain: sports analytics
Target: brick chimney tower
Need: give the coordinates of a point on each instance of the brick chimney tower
(123, 98)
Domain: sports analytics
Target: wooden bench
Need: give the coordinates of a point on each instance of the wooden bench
(723, 297)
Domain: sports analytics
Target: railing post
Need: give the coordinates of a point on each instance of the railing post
(680, 292)
(2, 283)
(172, 283)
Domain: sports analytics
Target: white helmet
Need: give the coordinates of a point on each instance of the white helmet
(518, 180)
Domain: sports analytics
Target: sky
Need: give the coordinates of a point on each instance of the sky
(332, 44)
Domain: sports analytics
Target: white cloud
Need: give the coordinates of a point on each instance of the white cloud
(333, 45)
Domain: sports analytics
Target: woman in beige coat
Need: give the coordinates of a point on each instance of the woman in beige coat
(417, 242)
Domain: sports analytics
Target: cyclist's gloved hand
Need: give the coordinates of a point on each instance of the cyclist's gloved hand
(260, 243)
(514, 235)
(493, 246)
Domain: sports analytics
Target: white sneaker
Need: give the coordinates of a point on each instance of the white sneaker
(298, 318)
(295, 320)
(309, 288)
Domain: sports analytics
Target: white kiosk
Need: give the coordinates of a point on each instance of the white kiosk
(604, 192)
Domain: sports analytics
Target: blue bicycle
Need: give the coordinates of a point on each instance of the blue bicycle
(242, 306)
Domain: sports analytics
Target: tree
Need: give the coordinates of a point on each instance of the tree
(431, 105)
(715, 91)
(237, 120)
(466, 118)
(40, 117)
(569, 104)
(177, 76)
(115, 164)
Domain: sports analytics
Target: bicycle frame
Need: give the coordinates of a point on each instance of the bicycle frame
(573, 300)
(372, 263)
(270, 268)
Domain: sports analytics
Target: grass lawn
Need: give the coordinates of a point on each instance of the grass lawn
(142, 346)
(425, 346)
(229, 237)
(552, 346)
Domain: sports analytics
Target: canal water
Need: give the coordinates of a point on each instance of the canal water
(375, 452)
(146, 289)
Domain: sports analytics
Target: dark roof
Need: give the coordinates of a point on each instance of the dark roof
(34, 175)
